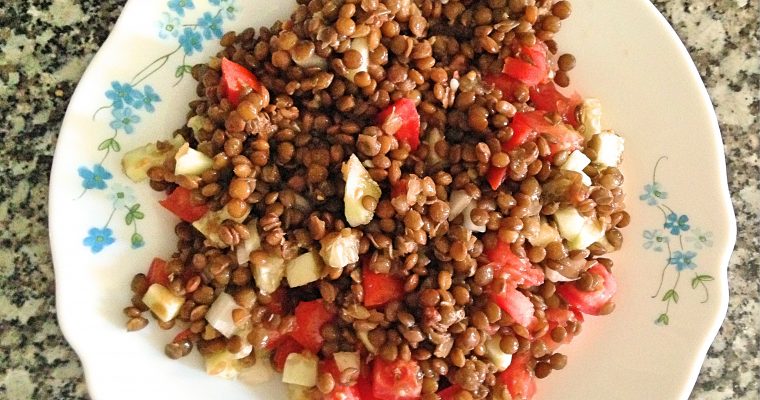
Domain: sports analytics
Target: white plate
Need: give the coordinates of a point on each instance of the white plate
(628, 57)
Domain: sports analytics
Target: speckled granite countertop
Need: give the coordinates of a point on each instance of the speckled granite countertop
(46, 44)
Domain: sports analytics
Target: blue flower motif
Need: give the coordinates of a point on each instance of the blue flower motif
(121, 195)
(124, 119)
(191, 41)
(168, 26)
(683, 260)
(97, 239)
(120, 94)
(94, 178)
(700, 239)
(655, 240)
(653, 193)
(211, 25)
(179, 6)
(676, 223)
(148, 97)
(228, 7)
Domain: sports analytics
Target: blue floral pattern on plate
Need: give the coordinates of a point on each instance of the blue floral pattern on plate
(130, 100)
(681, 256)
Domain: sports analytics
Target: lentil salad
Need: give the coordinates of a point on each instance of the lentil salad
(386, 199)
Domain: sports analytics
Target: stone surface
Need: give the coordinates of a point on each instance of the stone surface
(45, 46)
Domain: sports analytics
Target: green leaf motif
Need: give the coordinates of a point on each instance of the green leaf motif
(662, 319)
(129, 218)
(179, 71)
(138, 215)
(671, 295)
(700, 279)
(105, 144)
(137, 239)
(187, 68)
(115, 146)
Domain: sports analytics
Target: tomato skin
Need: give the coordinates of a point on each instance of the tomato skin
(504, 83)
(397, 380)
(531, 72)
(519, 271)
(516, 304)
(157, 272)
(283, 349)
(546, 97)
(237, 81)
(310, 316)
(276, 305)
(406, 110)
(495, 176)
(180, 203)
(589, 302)
(519, 379)
(380, 288)
(339, 392)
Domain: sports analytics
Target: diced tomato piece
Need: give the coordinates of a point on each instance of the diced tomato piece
(409, 120)
(516, 304)
(590, 302)
(532, 68)
(380, 288)
(157, 272)
(283, 349)
(523, 71)
(506, 84)
(400, 188)
(180, 203)
(546, 97)
(448, 393)
(397, 380)
(526, 126)
(340, 392)
(237, 81)
(519, 378)
(519, 271)
(310, 316)
(495, 176)
(364, 385)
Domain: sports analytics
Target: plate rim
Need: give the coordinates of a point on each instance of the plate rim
(725, 250)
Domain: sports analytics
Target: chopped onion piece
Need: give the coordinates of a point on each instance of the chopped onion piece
(569, 222)
(591, 117)
(347, 359)
(364, 337)
(191, 161)
(162, 302)
(269, 274)
(592, 231)
(309, 61)
(546, 235)
(300, 369)
(358, 185)
(458, 201)
(500, 359)
(304, 269)
(137, 162)
(468, 220)
(609, 148)
(340, 248)
(219, 315)
(244, 249)
(209, 224)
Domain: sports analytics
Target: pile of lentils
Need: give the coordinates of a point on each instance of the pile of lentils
(287, 143)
